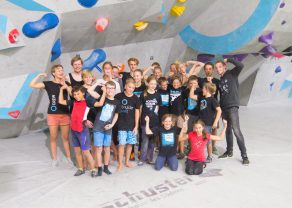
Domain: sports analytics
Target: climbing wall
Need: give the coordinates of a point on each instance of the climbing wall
(35, 34)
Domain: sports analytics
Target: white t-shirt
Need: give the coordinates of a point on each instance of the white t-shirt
(102, 82)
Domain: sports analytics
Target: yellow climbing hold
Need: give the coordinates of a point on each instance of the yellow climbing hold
(181, 1)
(140, 25)
(177, 10)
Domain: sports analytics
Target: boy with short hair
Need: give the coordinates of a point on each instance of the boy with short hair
(105, 119)
(80, 134)
(128, 122)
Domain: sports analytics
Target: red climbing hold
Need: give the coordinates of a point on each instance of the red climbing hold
(14, 114)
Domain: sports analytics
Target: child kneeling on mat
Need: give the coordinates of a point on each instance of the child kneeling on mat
(168, 142)
(198, 139)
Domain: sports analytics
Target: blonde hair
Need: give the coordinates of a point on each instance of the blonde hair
(76, 58)
(86, 73)
(133, 59)
(210, 87)
(53, 69)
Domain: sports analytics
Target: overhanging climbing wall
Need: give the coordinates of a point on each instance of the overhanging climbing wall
(35, 34)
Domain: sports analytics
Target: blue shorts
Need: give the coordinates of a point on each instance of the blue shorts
(101, 139)
(127, 137)
(208, 129)
(80, 139)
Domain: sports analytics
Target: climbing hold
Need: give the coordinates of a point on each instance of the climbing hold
(87, 3)
(101, 24)
(181, 1)
(278, 70)
(96, 57)
(56, 50)
(177, 10)
(34, 29)
(267, 51)
(205, 57)
(13, 36)
(283, 22)
(271, 86)
(278, 55)
(282, 5)
(121, 67)
(14, 114)
(140, 25)
(288, 51)
(267, 39)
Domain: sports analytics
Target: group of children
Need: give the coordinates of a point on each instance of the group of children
(141, 107)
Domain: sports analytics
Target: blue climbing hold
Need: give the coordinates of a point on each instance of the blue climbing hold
(35, 29)
(56, 50)
(87, 3)
(278, 70)
(96, 57)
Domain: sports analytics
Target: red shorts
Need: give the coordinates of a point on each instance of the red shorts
(58, 119)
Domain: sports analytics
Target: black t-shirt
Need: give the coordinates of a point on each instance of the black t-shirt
(53, 90)
(126, 75)
(208, 110)
(176, 106)
(150, 106)
(139, 90)
(192, 106)
(164, 107)
(168, 141)
(215, 81)
(74, 82)
(105, 114)
(128, 106)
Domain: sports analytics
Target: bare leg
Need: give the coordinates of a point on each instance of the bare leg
(89, 159)
(116, 151)
(121, 157)
(128, 154)
(53, 141)
(98, 152)
(65, 139)
(78, 155)
(209, 149)
(106, 155)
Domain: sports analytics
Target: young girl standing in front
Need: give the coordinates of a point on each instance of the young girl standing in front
(150, 101)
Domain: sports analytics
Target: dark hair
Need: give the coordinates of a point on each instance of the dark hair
(173, 118)
(155, 63)
(53, 69)
(176, 77)
(221, 61)
(209, 63)
(199, 121)
(79, 88)
(133, 59)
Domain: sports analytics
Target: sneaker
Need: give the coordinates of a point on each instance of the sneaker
(245, 161)
(150, 162)
(79, 172)
(226, 154)
(156, 149)
(107, 171)
(94, 173)
(132, 156)
(140, 163)
(69, 162)
(208, 159)
(180, 156)
(99, 171)
(215, 150)
(55, 163)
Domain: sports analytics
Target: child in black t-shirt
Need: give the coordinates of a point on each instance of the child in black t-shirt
(210, 113)
(128, 122)
(168, 143)
(164, 94)
(150, 101)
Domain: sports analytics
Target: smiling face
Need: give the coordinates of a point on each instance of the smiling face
(193, 83)
(157, 73)
(152, 84)
(137, 76)
(107, 70)
(110, 90)
(78, 95)
(220, 68)
(208, 70)
(59, 73)
(87, 79)
(115, 72)
(77, 66)
(129, 88)
(176, 83)
(133, 65)
(167, 123)
(164, 85)
(198, 128)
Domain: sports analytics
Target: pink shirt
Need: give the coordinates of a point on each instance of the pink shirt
(197, 147)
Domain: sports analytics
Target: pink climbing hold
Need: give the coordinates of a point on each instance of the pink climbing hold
(13, 35)
(101, 24)
(14, 114)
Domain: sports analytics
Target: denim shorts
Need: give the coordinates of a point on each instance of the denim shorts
(80, 139)
(101, 139)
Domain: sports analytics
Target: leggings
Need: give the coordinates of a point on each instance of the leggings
(194, 167)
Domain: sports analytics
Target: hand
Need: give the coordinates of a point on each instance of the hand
(224, 122)
(103, 88)
(108, 126)
(88, 124)
(225, 60)
(135, 130)
(214, 126)
(147, 119)
(64, 87)
(43, 75)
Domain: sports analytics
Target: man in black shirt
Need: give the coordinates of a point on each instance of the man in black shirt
(229, 102)
(133, 64)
